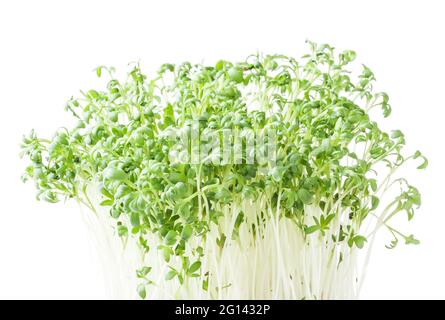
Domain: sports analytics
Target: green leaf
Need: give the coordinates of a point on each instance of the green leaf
(374, 202)
(170, 275)
(393, 244)
(107, 202)
(219, 65)
(194, 267)
(325, 221)
(169, 115)
(122, 230)
(170, 238)
(167, 67)
(424, 164)
(142, 291)
(114, 174)
(359, 241)
(236, 74)
(304, 195)
(311, 229)
(205, 284)
(134, 219)
(143, 272)
(411, 240)
(166, 253)
(397, 134)
(92, 94)
(239, 220)
(221, 241)
(347, 56)
(373, 184)
(187, 232)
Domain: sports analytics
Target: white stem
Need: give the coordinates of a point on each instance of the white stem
(277, 261)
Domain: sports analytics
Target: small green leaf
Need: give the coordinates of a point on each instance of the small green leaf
(304, 195)
(194, 267)
(170, 238)
(142, 291)
(142, 272)
(325, 221)
(187, 232)
(239, 220)
(411, 240)
(134, 219)
(92, 94)
(350, 242)
(311, 229)
(105, 192)
(236, 74)
(373, 184)
(219, 65)
(115, 174)
(205, 284)
(396, 134)
(424, 164)
(107, 202)
(374, 202)
(166, 252)
(170, 275)
(221, 241)
(167, 67)
(359, 241)
(393, 244)
(181, 279)
(122, 230)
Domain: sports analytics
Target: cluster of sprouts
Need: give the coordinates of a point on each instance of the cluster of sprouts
(290, 226)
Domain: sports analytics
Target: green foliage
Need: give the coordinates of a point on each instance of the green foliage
(316, 107)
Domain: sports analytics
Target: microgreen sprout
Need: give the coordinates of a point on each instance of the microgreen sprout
(291, 228)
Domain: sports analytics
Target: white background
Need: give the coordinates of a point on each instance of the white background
(49, 48)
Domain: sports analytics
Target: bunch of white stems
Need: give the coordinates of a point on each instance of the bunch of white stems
(271, 260)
